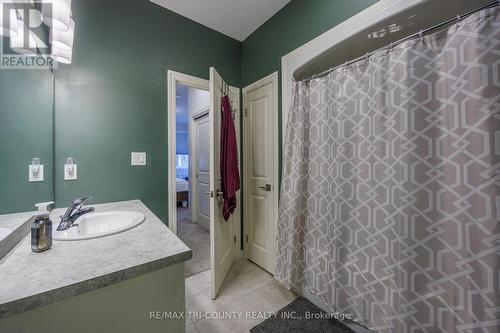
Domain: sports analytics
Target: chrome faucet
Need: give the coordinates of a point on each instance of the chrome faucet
(73, 212)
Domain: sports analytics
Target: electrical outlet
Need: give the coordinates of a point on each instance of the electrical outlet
(35, 173)
(70, 172)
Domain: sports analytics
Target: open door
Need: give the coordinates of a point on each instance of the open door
(222, 239)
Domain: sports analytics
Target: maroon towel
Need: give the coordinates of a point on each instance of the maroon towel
(230, 173)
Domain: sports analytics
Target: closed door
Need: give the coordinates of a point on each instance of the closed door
(259, 164)
(200, 151)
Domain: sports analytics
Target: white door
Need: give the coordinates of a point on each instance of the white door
(200, 152)
(260, 174)
(222, 239)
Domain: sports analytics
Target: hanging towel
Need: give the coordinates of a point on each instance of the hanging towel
(230, 174)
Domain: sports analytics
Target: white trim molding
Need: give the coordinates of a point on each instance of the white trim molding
(173, 79)
(235, 91)
(374, 14)
(270, 79)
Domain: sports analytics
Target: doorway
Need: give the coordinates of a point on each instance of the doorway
(224, 235)
(260, 175)
(188, 98)
(192, 178)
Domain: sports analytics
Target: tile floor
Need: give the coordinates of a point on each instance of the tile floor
(247, 288)
(196, 238)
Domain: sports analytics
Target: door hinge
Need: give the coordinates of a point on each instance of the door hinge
(235, 239)
(247, 238)
(245, 112)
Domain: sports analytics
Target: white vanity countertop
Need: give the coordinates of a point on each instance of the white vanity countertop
(10, 222)
(13, 228)
(30, 280)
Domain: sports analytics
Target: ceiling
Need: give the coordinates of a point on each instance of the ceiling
(234, 18)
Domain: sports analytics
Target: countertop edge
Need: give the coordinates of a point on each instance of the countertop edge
(15, 237)
(56, 295)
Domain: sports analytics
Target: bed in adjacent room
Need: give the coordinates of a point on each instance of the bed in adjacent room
(182, 188)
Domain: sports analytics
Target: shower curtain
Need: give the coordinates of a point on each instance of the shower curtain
(390, 201)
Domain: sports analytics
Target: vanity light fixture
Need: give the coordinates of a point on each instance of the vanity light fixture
(54, 13)
(8, 28)
(57, 14)
(61, 56)
(63, 40)
(34, 3)
(17, 42)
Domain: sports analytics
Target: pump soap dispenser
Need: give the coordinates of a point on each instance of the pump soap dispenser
(41, 229)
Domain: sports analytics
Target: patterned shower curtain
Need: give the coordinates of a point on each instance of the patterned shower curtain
(390, 201)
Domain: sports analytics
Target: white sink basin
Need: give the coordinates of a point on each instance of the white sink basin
(97, 225)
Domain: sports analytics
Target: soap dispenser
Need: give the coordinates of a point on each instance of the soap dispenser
(41, 229)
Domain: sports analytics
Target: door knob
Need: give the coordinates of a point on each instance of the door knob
(220, 194)
(267, 188)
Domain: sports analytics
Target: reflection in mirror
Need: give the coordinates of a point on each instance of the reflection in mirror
(26, 143)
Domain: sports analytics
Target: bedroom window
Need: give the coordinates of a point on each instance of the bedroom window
(182, 166)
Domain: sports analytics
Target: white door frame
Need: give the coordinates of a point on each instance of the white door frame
(237, 232)
(272, 78)
(174, 78)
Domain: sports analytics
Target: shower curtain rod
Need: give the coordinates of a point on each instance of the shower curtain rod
(458, 18)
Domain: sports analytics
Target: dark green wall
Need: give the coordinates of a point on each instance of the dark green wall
(25, 132)
(112, 99)
(294, 25)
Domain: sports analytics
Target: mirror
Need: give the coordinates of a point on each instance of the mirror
(26, 136)
(26, 109)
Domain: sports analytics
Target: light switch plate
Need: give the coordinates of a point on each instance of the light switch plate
(35, 176)
(138, 158)
(70, 174)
